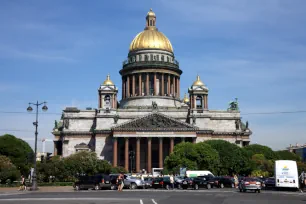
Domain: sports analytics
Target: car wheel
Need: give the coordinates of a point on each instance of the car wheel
(133, 186)
(97, 187)
(196, 187)
(208, 186)
(113, 187)
(167, 187)
(221, 185)
(184, 188)
(77, 187)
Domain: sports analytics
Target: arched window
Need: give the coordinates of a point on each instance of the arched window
(139, 59)
(162, 58)
(107, 101)
(151, 57)
(199, 101)
(151, 23)
(157, 57)
(146, 58)
(168, 59)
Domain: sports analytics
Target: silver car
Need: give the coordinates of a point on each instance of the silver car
(133, 182)
(250, 184)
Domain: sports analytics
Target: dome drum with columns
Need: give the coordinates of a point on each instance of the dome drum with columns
(151, 71)
(152, 116)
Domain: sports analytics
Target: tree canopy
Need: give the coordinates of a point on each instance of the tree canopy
(261, 149)
(8, 170)
(198, 156)
(18, 151)
(233, 159)
(286, 155)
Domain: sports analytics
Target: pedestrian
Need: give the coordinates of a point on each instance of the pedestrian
(302, 180)
(22, 184)
(236, 180)
(172, 181)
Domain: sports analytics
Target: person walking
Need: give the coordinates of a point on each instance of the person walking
(172, 181)
(302, 179)
(236, 180)
(22, 184)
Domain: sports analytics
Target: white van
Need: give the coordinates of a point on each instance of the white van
(198, 173)
(286, 174)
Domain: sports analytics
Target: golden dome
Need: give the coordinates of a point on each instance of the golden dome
(185, 99)
(151, 38)
(108, 82)
(151, 13)
(198, 82)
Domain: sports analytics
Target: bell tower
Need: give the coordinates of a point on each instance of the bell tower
(198, 94)
(108, 95)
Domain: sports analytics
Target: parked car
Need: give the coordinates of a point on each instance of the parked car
(178, 181)
(161, 182)
(148, 182)
(270, 183)
(96, 182)
(196, 183)
(133, 182)
(221, 182)
(187, 183)
(250, 184)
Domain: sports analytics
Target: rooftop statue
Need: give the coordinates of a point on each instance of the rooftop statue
(233, 105)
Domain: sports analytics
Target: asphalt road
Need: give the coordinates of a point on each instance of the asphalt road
(213, 196)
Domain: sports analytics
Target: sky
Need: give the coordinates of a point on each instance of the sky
(61, 51)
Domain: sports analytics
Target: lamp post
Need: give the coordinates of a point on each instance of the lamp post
(132, 156)
(30, 109)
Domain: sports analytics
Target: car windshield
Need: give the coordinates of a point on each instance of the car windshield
(250, 179)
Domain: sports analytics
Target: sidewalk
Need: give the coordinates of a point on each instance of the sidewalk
(40, 189)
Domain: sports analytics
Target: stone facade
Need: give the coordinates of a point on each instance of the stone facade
(139, 131)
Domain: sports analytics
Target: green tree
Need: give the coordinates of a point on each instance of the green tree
(261, 149)
(192, 156)
(262, 165)
(233, 159)
(18, 151)
(8, 170)
(286, 155)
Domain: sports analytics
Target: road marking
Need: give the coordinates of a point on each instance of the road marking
(141, 201)
(8, 194)
(71, 199)
(154, 201)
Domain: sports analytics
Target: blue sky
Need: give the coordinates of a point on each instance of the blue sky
(61, 51)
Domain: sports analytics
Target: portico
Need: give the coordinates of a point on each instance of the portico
(152, 138)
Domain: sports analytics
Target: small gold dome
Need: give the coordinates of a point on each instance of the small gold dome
(151, 13)
(198, 82)
(151, 38)
(108, 82)
(186, 99)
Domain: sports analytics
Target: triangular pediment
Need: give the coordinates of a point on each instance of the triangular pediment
(155, 122)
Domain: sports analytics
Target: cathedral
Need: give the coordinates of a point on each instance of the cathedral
(141, 129)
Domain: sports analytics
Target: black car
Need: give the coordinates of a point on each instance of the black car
(196, 183)
(187, 183)
(269, 183)
(221, 182)
(96, 182)
(161, 182)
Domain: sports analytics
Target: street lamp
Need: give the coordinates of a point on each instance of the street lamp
(30, 109)
(132, 157)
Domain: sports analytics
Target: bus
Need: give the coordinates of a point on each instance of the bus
(286, 174)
